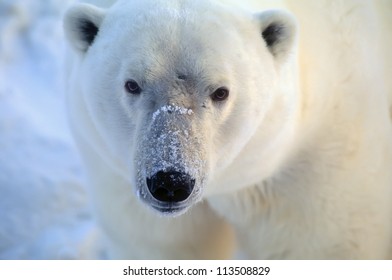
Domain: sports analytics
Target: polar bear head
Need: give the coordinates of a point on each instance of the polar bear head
(176, 89)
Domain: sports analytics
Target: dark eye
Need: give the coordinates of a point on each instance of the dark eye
(220, 94)
(132, 86)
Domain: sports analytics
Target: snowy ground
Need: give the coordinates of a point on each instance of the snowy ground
(43, 204)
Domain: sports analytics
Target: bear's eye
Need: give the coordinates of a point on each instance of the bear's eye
(220, 94)
(133, 87)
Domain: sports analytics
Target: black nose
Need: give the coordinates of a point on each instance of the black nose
(170, 186)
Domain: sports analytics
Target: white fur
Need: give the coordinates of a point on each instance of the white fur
(295, 164)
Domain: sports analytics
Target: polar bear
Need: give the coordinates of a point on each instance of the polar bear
(213, 126)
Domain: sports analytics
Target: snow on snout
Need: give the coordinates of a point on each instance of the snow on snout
(171, 109)
(169, 141)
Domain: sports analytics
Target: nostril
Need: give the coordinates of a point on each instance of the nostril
(170, 186)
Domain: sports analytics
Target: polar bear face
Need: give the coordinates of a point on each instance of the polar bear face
(177, 90)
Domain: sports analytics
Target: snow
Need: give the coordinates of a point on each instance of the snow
(44, 205)
(171, 109)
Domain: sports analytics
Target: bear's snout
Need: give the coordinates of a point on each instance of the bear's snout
(170, 186)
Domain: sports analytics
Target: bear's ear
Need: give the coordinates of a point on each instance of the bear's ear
(279, 32)
(81, 25)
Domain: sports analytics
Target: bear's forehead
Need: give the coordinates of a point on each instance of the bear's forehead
(168, 41)
(175, 21)
(171, 36)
